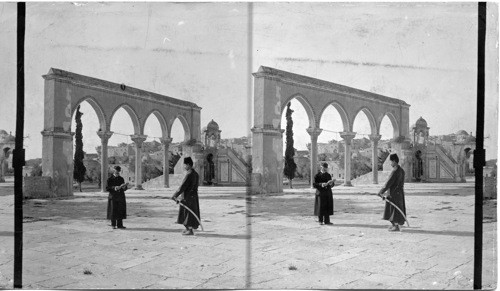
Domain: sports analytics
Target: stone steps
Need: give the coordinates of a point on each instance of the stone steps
(367, 179)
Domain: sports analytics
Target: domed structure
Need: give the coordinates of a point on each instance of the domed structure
(211, 134)
(462, 132)
(420, 132)
(421, 122)
(212, 125)
(3, 132)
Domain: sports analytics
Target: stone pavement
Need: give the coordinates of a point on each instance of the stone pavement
(68, 243)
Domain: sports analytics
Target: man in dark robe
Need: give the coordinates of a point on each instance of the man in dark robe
(189, 191)
(323, 203)
(396, 195)
(117, 207)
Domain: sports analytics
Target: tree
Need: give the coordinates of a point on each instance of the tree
(290, 166)
(79, 167)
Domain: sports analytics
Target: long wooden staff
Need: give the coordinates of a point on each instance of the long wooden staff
(400, 211)
(187, 208)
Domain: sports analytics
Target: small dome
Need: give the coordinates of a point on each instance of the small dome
(462, 132)
(3, 132)
(421, 122)
(212, 125)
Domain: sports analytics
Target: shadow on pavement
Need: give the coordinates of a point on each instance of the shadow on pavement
(6, 233)
(197, 233)
(452, 233)
(409, 229)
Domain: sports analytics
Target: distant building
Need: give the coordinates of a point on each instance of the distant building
(440, 158)
(92, 156)
(327, 148)
(7, 145)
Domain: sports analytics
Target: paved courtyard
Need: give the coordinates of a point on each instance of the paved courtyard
(68, 243)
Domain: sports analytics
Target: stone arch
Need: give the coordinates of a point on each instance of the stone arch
(161, 119)
(97, 109)
(394, 122)
(342, 112)
(271, 85)
(133, 117)
(307, 106)
(371, 118)
(185, 125)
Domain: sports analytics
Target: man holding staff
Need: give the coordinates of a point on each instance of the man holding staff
(396, 195)
(189, 198)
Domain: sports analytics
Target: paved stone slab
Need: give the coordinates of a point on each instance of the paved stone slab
(289, 249)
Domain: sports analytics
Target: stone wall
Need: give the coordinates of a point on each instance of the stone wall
(38, 187)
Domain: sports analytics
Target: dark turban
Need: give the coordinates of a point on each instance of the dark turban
(394, 157)
(188, 161)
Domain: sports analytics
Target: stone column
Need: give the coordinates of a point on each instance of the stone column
(57, 160)
(166, 161)
(314, 133)
(347, 136)
(375, 138)
(138, 140)
(267, 158)
(104, 157)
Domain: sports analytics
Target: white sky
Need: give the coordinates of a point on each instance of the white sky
(424, 54)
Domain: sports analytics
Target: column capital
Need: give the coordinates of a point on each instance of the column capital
(138, 139)
(375, 137)
(58, 134)
(104, 135)
(166, 141)
(314, 132)
(347, 136)
(267, 131)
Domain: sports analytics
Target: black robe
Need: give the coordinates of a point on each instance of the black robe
(395, 185)
(323, 203)
(117, 206)
(189, 188)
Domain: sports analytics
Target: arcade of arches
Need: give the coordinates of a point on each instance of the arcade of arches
(64, 91)
(273, 89)
(446, 160)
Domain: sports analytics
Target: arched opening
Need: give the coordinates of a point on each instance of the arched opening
(301, 140)
(91, 144)
(121, 148)
(152, 148)
(469, 161)
(418, 168)
(179, 147)
(304, 104)
(361, 145)
(386, 132)
(390, 131)
(330, 146)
